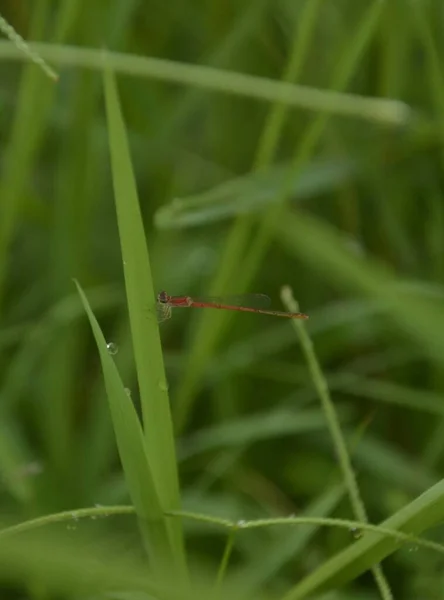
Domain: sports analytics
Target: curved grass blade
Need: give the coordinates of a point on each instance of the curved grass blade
(131, 446)
(253, 193)
(251, 429)
(424, 512)
(87, 566)
(287, 545)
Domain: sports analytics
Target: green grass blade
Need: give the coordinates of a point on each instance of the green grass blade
(392, 467)
(386, 391)
(347, 67)
(222, 56)
(87, 566)
(251, 429)
(33, 103)
(141, 298)
(389, 112)
(424, 512)
(241, 248)
(131, 445)
(15, 458)
(302, 36)
(225, 558)
(211, 328)
(324, 250)
(25, 137)
(21, 45)
(288, 544)
(253, 193)
(334, 425)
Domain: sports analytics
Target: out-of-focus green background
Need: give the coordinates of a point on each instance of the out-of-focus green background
(346, 209)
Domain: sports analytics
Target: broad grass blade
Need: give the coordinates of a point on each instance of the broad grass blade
(141, 298)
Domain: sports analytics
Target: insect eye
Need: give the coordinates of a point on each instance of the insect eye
(162, 297)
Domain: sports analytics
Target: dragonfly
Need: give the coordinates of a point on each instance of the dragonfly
(253, 303)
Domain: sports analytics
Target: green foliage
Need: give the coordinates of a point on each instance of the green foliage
(221, 148)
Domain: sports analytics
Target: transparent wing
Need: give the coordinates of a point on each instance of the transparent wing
(163, 312)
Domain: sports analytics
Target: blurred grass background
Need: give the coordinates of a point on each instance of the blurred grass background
(237, 195)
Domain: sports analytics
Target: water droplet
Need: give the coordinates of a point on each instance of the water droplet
(71, 527)
(413, 548)
(128, 392)
(356, 532)
(75, 516)
(112, 348)
(163, 385)
(241, 523)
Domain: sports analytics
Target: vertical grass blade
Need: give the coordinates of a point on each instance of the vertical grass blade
(141, 299)
(238, 243)
(321, 386)
(212, 327)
